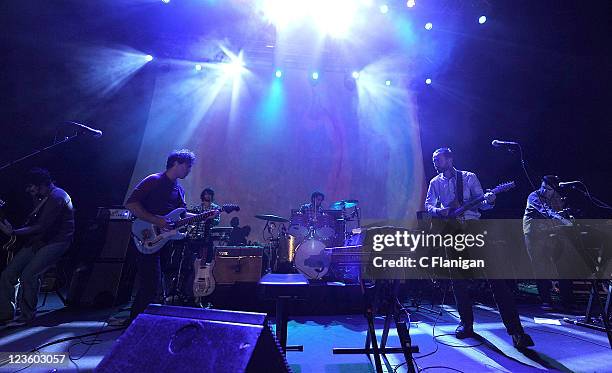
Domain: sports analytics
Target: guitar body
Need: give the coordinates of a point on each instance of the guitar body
(149, 238)
(204, 281)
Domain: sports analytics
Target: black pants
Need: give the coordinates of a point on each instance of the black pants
(148, 280)
(503, 297)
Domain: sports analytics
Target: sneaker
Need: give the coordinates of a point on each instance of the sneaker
(464, 331)
(522, 340)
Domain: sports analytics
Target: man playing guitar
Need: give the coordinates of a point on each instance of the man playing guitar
(48, 232)
(155, 196)
(452, 187)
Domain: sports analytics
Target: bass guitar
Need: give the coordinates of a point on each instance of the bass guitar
(8, 246)
(456, 211)
(150, 238)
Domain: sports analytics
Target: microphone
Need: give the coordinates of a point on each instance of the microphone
(83, 129)
(569, 183)
(498, 143)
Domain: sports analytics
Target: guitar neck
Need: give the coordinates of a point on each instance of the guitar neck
(195, 218)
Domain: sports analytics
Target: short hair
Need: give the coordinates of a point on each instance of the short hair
(315, 195)
(207, 191)
(180, 156)
(552, 181)
(446, 151)
(38, 176)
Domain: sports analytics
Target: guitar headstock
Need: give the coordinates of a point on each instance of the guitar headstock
(503, 187)
(230, 207)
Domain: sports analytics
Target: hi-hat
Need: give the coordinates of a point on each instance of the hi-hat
(270, 217)
(344, 204)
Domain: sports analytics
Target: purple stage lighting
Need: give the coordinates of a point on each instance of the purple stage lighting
(387, 82)
(278, 73)
(355, 74)
(428, 26)
(428, 81)
(198, 67)
(148, 58)
(482, 19)
(315, 75)
(410, 3)
(165, 1)
(384, 9)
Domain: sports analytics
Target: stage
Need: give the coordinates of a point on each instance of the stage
(564, 347)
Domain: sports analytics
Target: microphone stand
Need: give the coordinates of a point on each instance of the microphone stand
(38, 151)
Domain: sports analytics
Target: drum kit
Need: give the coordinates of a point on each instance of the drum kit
(298, 243)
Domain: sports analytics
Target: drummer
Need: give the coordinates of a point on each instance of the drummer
(316, 198)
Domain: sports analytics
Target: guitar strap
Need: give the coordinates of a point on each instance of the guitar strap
(459, 188)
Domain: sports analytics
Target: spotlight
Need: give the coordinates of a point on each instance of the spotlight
(165, 1)
(482, 19)
(388, 82)
(278, 73)
(315, 75)
(148, 58)
(410, 3)
(198, 67)
(384, 9)
(428, 81)
(355, 74)
(428, 26)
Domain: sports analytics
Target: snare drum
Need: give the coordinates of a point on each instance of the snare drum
(325, 227)
(311, 259)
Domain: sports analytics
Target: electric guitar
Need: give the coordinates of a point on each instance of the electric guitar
(204, 281)
(457, 211)
(150, 238)
(8, 246)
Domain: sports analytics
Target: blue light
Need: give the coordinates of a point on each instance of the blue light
(388, 82)
(278, 73)
(428, 26)
(165, 1)
(410, 3)
(315, 75)
(148, 58)
(384, 9)
(198, 67)
(428, 81)
(355, 74)
(482, 19)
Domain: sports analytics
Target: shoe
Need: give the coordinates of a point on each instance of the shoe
(464, 331)
(522, 340)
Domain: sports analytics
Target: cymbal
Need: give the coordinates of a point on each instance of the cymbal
(344, 204)
(221, 229)
(270, 217)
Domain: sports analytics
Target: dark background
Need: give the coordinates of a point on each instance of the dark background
(539, 74)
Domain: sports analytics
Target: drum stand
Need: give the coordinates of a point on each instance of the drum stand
(385, 293)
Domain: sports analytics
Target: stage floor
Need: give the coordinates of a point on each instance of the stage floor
(562, 347)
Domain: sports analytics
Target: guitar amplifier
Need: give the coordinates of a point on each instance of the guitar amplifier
(237, 264)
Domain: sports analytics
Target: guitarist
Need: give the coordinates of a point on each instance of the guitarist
(155, 196)
(541, 215)
(48, 234)
(447, 191)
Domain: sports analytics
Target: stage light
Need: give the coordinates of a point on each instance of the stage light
(198, 67)
(355, 74)
(482, 19)
(387, 82)
(428, 26)
(165, 1)
(428, 81)
(410, 3)
(384, 9)
(315, 75)
(278, 73)
(148, 58)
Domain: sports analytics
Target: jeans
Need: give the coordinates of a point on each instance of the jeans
(27, 267)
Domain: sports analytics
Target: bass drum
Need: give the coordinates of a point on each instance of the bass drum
(311, 259)
(325, 227)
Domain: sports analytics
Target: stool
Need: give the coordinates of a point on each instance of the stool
(284, 287)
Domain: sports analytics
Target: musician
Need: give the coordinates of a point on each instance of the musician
(155, 196)
(316, 199)
(201, 231)
(541, 214)
(48, 235)
(441, 196)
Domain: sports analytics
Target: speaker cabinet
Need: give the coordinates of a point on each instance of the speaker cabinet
(181, 339)
(237, 264)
